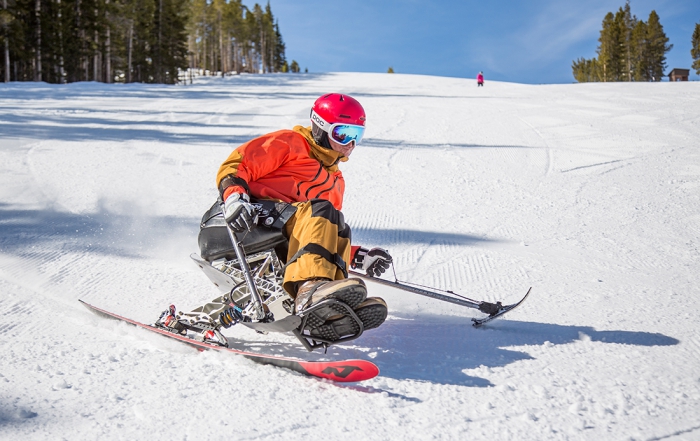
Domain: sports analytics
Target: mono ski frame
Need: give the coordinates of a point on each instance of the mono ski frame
(348, 370)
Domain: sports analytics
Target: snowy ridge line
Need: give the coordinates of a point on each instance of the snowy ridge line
(592, 165)
(677, 433)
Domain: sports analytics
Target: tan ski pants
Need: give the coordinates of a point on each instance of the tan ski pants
(319, 244)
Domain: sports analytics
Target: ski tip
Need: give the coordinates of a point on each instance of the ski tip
(476, 322)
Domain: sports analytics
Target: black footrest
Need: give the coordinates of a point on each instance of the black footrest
(313, 342)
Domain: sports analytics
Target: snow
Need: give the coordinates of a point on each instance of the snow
(589, 193)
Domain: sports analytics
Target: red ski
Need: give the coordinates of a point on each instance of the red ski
(342, 371)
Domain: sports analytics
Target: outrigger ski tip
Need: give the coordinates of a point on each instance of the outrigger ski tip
(501, 310)
(494, 310)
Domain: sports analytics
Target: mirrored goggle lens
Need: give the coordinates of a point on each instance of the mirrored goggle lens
(345, 134)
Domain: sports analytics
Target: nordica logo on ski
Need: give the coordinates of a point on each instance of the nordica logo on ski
(343, 372)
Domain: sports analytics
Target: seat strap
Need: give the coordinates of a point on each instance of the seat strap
(314, 248)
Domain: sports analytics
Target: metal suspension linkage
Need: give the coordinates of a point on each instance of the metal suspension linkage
(254, 294)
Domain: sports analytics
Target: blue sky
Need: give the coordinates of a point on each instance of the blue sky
(531, 41)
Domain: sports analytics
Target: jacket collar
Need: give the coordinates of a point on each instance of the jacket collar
(329, 158)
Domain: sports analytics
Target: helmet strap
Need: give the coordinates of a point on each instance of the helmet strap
(320, 136)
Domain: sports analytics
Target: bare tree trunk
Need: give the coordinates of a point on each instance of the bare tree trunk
(61, 71)
(7, 47)
(605, 78)
(81, 58)
(238, 55)
(191, 49)
(96, 52)
(108, 48)
(234, 57)
(272, 57)
(37, 13)
(129, 45)
(96, 59)
(221, 44)
(262, 48)
(7, 59)
(229, 53)
(194, 53)
(160, 42)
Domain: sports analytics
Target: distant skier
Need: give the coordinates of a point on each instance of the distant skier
(480, 79)
(300, 167)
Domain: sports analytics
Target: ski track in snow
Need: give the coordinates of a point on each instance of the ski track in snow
(587, 192)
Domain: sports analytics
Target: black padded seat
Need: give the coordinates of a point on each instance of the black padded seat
(214, 240)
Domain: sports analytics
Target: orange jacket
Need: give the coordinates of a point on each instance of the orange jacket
(286, 165)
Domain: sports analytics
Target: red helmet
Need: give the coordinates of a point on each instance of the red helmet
(338, 108)
(340, 118)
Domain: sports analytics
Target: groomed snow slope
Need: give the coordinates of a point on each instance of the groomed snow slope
(589, 193)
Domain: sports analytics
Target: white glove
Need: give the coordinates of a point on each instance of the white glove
(239, 213)
(374, 262)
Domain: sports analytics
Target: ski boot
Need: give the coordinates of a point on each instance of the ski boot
(372, 312)
(351, 292)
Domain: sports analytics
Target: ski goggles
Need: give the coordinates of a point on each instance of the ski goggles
(341, 133)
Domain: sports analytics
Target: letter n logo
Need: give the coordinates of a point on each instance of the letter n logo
(340, 371)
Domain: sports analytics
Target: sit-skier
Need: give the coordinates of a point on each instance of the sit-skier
(300, 167)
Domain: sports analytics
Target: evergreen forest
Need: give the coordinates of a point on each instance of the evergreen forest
(148, 41)
(629, 50)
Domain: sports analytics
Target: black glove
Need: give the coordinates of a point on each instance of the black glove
(374, 262)
(239, 213)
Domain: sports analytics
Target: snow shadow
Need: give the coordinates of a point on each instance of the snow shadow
(438, 349)
(77, 127)
(36, 232)
(205, 88)
(84, 115)
(393, 144)
(382, 236)
(16, 417)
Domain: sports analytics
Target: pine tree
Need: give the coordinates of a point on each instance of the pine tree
(695, 49)
(170, 50)
(640, 52)
(627, 23)
(629, 50)
(658, 46)
(135, 40)
(609, 54)
(586, 71)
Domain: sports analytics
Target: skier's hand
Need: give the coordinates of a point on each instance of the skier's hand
(239, 213)
(374, 262)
